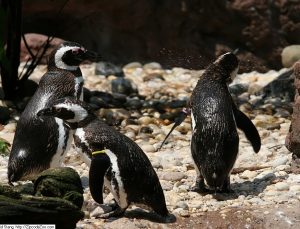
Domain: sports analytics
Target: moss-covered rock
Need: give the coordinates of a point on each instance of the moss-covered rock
(60, 182)
(55, 198)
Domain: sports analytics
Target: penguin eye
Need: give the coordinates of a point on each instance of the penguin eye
(75, 51)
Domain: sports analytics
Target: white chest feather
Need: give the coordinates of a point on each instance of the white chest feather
(122, 198)
(78, 81)
(63, 146)
(81, 135)
(193, 121)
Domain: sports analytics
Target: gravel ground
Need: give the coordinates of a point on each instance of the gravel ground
(266, 193)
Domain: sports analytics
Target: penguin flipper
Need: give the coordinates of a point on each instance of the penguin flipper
(99, 165)
(181, 117)
(245, 124)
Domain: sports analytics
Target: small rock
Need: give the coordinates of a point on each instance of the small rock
(107, 68)
(290, 55)
(133, 65)
(148, 148)
(153, 76)
(172, 176)
(167, 186)
(146, 130)
(152, 66)
(280, 161)
(84, 181)
(281, 186)
(98, 211)
(295, 188)
(182, 204)
(123, 86)
(181, 212)
(247, 174)
(145, 120)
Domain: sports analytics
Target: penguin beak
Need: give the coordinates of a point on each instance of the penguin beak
(92, 56)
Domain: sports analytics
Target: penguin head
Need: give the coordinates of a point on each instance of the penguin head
(226, 67)
(69, 55)
(69, 109)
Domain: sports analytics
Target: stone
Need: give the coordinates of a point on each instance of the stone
(182, 204)
(180, 212)
(123, 86)
(108, 68)
(282, 186)
(60, 182)
(295, 188)
(290, 55)
(292, 140)
(280, 161)
(172, 176)
(248, 174)
(148, 148)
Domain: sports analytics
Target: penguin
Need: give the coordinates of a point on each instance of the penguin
(40, 144)
(129, 174)
(215, 119)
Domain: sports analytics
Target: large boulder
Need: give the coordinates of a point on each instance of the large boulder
(293, 138)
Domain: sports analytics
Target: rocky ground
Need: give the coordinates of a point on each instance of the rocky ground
(266, 191)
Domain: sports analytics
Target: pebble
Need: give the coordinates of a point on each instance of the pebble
(281, 186)
(247, 174)
(295, 188)
(182, 204)
(172, 176)
(280, 161)
(181, 212)
(148, 148)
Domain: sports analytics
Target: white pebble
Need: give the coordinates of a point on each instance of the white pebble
(281, 186)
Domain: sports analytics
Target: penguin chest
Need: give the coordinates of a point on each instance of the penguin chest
(64, 143)
(114, 181)
(78, 87)
(82, 146)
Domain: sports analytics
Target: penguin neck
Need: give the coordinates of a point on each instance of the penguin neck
(83, 123)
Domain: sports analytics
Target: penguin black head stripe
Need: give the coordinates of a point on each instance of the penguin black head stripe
(41, 142)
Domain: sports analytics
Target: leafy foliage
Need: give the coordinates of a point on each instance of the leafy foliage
(4, 147)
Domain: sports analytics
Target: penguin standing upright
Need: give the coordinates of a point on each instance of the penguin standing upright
(129, 174)
(215, 118)
(40, 144)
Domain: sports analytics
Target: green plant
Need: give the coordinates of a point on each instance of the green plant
(4, 147)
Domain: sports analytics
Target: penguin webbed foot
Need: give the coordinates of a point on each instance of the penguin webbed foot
(199, 187)
(113, 205)
(114, 213)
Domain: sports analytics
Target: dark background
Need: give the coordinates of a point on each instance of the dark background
(185, 33)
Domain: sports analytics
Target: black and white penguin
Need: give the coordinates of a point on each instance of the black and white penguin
(39, 144)
(215, 119)
(129, 174)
